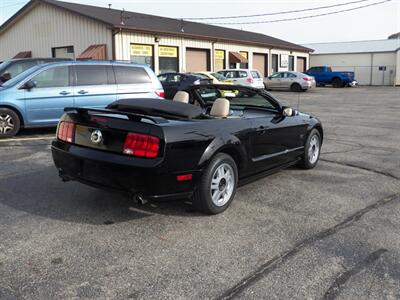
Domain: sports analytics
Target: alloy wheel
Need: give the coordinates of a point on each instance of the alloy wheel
(222, 184)
(6, 123)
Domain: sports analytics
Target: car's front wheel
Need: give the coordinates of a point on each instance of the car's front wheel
(217, 186)
(9, 123)
(312, 150)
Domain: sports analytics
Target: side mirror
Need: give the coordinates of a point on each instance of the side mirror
(289, 112)
(269, 77)
(5, 77)
(29, 85)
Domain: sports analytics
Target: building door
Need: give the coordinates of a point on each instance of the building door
(275, 61)
(260, 64)
(197, 60)
(301, 64)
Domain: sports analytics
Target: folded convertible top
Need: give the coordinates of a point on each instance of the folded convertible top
(157, 107)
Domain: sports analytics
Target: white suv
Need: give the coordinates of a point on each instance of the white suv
(244, 77)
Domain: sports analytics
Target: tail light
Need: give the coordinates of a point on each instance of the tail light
(307, 78)
(66, 131)
(160, 93)
(142, 145)
(250, 80)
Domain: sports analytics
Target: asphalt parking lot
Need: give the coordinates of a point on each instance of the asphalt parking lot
(332, 232)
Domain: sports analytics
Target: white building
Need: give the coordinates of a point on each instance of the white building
(48, 28)
(374, 62)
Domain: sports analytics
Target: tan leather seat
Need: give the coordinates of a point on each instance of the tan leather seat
(220, 108)
(181, 96)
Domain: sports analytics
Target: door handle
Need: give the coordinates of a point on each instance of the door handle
(261, 130)
(64, 93)
(82, 92)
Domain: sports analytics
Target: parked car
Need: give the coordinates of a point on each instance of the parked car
(12, 67)
(174, 82)
(37, 96)
(324, 75)
(289, 80)
(217, 78)
(200, 150)
(246, 77)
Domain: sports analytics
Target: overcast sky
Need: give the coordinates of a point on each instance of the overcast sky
(376, 22)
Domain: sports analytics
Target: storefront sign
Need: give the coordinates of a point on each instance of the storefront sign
(219, 54)
(244, 54)
(284, 60)
(164, 51)
(141, 50)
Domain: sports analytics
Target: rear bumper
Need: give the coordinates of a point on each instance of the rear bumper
(121, 173)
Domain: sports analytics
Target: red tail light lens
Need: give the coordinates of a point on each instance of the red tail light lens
(160, 93)
(250, 80)
(307, 78)
(66, 132)
(142, 145)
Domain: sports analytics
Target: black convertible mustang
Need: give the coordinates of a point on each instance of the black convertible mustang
(201, 145)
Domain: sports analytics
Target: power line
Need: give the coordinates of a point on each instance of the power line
(278, 13)
(300, 18)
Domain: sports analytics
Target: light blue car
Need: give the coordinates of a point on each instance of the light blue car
(37, 96)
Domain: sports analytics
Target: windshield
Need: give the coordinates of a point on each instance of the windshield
(20, 77)
(237, 96)
(218, 76)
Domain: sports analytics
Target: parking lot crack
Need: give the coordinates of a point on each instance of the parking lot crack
(336, 287)
(361, 168)
(277, 261)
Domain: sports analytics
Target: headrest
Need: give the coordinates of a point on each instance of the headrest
(220, 108)
(181, 96)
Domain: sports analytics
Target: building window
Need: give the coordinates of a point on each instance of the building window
(219, 60)
(142, 54)
(245, 55)
(168, 59)
(63, 52)
(291, 63)
(274, 63)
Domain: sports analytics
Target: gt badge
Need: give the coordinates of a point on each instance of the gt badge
(96, 137)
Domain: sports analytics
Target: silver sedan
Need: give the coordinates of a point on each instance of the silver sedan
(294, 81)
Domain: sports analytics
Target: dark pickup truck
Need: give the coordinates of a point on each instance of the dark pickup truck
(324, 75)
(203, 149)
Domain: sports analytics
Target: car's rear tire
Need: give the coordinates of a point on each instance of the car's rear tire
(295, 87)
(9, 123)
(217, 186)
(312, 150)
(337, 83)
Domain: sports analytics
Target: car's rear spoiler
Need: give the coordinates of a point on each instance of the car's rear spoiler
(130, 115)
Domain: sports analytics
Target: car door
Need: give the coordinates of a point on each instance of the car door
(94, 85)
(174, 81)
(274, 81)
(133, 82)
(52, 92)
(287, 80)
(275, 139)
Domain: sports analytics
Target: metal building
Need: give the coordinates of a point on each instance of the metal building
(375, 62)
(48, 28)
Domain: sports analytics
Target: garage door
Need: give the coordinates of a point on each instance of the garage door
(259, 63)
(301, 64)
(197, 60)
